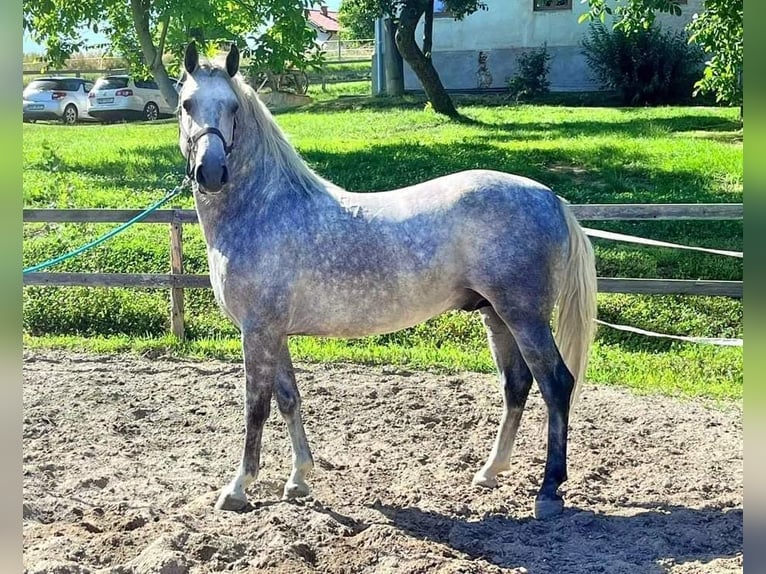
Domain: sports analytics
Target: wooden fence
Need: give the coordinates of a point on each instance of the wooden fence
(177, 280)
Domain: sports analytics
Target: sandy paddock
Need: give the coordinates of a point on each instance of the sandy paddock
(123, 458)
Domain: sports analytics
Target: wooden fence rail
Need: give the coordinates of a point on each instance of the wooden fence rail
(177, 280)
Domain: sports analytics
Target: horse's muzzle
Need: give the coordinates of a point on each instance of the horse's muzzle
(211, 177)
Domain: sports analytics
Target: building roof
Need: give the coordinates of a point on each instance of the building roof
(326, 20)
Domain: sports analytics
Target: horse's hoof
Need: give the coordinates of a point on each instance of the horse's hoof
(480, 479)
(230, 501)
(296, 490)
(548, 507)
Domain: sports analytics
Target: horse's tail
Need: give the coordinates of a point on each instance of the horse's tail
(577, 302)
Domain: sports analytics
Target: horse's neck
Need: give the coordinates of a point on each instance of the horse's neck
(256, 193)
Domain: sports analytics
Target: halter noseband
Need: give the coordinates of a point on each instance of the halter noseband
(191, 143)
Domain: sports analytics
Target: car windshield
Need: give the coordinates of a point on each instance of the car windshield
(111, 83)
(48, 85)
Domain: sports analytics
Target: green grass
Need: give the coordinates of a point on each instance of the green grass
(685, 370)
(332, 92)
(586, 154)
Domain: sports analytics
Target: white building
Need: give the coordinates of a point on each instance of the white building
(325, 23)
(481, 51)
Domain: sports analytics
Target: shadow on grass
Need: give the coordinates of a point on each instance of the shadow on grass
(358, 103)
(463, 100)
(701, 126)
(608, 174)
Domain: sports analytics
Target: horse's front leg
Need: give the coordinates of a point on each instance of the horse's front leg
(261, 356)
(289, 403)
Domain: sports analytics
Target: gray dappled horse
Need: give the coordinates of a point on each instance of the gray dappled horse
(292, 254)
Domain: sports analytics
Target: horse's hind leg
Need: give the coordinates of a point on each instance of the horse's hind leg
(289, 403)
(516, 380)
(533, 335)
(260, 352)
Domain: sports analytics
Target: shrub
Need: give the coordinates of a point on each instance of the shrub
(649, 66)
(532, 78)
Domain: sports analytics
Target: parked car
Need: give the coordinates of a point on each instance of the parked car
(121, 97)
(54, 98)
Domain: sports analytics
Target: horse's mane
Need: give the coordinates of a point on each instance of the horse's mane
(256, 128)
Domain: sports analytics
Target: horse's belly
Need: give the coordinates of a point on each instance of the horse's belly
(350, 312)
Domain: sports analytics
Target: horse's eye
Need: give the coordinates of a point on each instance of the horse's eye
(235, 107)
(187, 105)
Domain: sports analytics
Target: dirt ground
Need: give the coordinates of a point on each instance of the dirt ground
(124, 456)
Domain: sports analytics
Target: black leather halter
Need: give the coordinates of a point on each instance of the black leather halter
(191, 144)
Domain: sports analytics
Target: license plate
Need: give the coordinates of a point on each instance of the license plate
(105, 100)
(35, 107)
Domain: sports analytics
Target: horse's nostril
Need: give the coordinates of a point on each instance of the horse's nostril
(199, 175)
(225, 175)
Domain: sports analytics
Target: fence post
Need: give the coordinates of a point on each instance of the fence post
(176, 268)
(322, 72)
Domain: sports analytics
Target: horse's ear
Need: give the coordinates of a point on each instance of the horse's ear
(232, 60)
(191, 58)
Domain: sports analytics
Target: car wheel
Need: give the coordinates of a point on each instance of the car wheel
(70, 115)
(151, 112)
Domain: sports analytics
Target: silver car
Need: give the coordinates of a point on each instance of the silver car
(121, 97)
(54, 98)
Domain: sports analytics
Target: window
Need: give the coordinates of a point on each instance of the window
(47, 85)
(72, 85)
(148, 84)
(542, 5)
(112, 83)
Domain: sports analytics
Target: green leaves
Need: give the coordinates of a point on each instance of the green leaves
(277, 28)
(288, 42)
(718, 30)
(357, 17)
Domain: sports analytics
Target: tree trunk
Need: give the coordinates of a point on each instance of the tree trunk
(420, 64)
(392, 61)
(152, 56)
(428, 29)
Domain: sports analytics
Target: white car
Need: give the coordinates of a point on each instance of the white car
(55, 98)
(121, 97)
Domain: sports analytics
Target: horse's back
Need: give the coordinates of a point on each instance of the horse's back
(478, 207)
(473, 196)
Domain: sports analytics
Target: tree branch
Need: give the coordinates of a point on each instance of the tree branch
(152, 57)
(165, 23)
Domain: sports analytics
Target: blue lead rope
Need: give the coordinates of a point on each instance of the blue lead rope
(98, 241)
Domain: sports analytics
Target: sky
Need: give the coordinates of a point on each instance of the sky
(29, 46)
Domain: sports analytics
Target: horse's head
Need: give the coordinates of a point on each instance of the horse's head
(207, 119)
